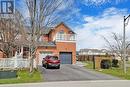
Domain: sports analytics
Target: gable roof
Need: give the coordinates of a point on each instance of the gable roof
(62, 23)
(46, 30)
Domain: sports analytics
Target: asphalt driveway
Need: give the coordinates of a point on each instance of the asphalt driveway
(73, 73)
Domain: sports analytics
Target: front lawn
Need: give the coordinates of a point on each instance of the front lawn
(117, 72)
(88, 64)
(112, 71)
(23, 77)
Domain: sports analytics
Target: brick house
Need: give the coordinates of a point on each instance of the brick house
(60, 41)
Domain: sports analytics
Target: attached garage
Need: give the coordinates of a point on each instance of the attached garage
(42, 55)
(66, 57)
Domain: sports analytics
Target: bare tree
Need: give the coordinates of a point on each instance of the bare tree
(10, 29)
(6, 37)
(43, 13)
(115, 44)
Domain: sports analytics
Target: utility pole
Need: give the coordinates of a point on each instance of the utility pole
(124, 41)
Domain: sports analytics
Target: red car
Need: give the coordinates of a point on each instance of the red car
(51, 61)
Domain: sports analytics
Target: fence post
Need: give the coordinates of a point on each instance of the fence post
(15, 60)
(3, 64)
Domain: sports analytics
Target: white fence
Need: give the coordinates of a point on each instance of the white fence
(14, 63)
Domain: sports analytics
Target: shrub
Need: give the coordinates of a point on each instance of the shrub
(115, 63)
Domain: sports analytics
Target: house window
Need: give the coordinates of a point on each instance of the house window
(60, 35)
(72, 37)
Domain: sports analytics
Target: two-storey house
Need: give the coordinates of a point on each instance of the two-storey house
(60, 41)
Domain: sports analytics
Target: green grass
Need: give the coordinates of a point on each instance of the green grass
(23, 77)
(112, 71)
(117, 72)
(128, 62)
(88, 64)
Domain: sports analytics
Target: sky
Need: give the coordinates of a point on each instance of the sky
(100, 18)
(92, 19)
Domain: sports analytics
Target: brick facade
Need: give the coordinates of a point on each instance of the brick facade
(62, 46)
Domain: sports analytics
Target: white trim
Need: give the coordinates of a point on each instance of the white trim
(65, 41)
(64, 38)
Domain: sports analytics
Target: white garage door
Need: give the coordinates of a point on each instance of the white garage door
(42, 55)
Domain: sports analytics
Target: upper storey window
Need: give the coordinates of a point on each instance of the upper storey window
(61, 35)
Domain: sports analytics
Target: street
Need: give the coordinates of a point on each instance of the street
(73, 73)
(101, 83)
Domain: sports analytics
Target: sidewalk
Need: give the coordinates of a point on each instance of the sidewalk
(101, 83)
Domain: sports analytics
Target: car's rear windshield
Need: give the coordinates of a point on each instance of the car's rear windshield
(54, 58)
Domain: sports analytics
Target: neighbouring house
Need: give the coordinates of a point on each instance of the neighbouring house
(93, 52)
(98, 57)
(8, 34)
(89, 54)
(59, 41)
